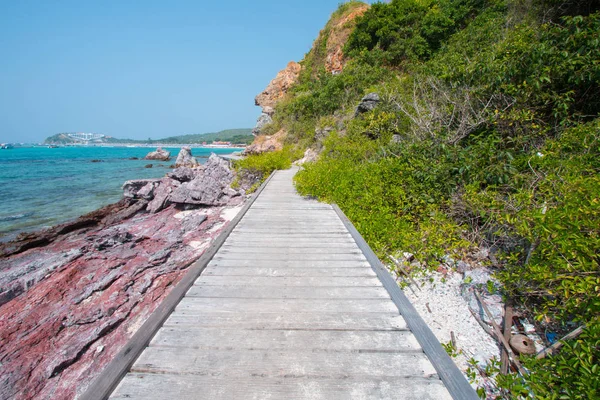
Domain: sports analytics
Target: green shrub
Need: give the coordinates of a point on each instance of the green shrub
(409, 30)
(392, 196)
(570, 374)
(261, 165)
(496, 144)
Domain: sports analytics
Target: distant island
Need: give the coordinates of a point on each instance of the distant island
(233, 136)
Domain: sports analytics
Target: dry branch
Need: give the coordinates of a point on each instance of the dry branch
(504, 360)
(500, 336)
(551, 349)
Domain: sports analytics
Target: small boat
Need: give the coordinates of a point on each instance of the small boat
(53, 146)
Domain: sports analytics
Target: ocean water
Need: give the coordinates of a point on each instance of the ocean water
(41, 187)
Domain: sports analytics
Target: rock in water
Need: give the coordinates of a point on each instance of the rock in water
(367, 103)
(185, 158)
(158, 155)
(211, 188)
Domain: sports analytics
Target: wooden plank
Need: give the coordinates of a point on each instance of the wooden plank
(289, 271)
(152, 387)
(290, 242)
(448, 372)
(284, 281)
(292, 224)
(286, 340)
(351, 256)
(266, 236)
(251, 251)
(289, 263)
(291, 233)
(118, 367)
(300, 364)
(295, 217)
(297, 321)
(200, 305)
(259, 292)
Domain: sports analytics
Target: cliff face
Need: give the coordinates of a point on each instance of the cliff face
(268, 98)
(278, 87)
(332, 39)
(338, 31)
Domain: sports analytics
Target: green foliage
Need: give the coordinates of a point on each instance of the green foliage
(488, 135)
(409, 30)
(392, 196)
(326, 93)
(553, 209)
(230, 135)
(570, 374)
(263, 164)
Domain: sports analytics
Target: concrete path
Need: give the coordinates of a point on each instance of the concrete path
(289, 308)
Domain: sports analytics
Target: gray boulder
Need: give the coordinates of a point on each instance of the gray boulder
(184, 174)
(139, 188)
(263, 120)
(367, 103)
(310, 155)
(211, 188)
(185, 158)
(162, 194)
(158, 155)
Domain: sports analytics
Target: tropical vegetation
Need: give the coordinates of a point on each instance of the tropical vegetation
(487, 134)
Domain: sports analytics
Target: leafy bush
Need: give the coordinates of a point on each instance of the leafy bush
(487, 135)
(409, 29)
(393, 196)
(553, 210)
(571, 374)
(261, 165)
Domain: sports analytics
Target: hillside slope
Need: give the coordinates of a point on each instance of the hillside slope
(480, 136)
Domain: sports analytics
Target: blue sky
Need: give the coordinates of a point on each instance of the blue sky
(139, 69)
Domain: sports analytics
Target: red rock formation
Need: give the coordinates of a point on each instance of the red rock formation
(72, 296)
(279, 86)
(57, 336)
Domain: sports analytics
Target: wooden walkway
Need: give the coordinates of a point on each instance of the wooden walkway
(290, 307)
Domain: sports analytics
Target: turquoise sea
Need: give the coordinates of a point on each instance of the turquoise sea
(41, 187)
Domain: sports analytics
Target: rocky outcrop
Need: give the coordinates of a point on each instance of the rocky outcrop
(310, 155)
(335, 34)
(184, 174)
(206, 186)
(211, 188)
(158, 155)
(185, 158)
(72, 296)
(279, 86)
(339, 32)
(264, 143)
(367, 103)
(263, 120)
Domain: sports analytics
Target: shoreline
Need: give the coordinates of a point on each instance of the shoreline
(132, 145)
(74, 294)
(45, 187)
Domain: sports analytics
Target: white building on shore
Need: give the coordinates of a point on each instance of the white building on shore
(86, 137)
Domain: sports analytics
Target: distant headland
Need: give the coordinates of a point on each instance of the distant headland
(231, 137)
